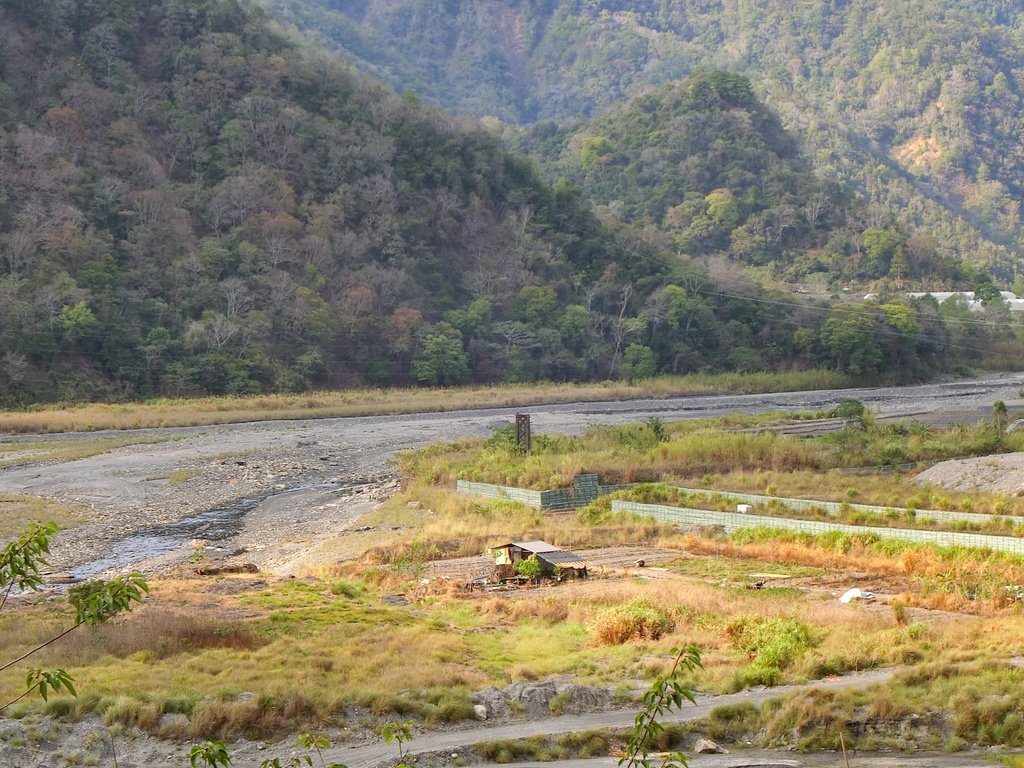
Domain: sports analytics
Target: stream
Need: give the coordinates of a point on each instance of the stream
(213, 525)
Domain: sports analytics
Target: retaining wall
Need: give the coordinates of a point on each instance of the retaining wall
(585, 489)
(732, 521)
(522, 495)
(833, 507)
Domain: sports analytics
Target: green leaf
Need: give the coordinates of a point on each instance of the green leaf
(46, 681)
(98, 601)
(21, 560)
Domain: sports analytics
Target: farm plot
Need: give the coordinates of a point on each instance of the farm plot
(466, 569)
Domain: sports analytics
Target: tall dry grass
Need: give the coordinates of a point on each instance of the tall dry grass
(617, 455)
(154, 633)
(200, 411)
(961, 581)
(882, 489)
(16, 454)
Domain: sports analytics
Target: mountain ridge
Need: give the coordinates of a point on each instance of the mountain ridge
(192, 203)
(915, 104)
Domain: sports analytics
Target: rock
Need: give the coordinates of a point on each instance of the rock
(481, 711)
(215, 570)
(493, 701)
(578, 699)
(174, 723)
(856, 593)
(246, 696)
(60, 578)
(534, 698)
(708, 747)
(413, 505)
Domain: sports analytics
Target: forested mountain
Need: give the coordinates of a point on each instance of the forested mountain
(191, 203)
(917, 103)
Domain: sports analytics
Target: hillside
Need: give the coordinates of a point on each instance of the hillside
(190, 203)
(712, 167)
(916, 103)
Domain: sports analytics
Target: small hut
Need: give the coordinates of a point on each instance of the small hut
(554, 562)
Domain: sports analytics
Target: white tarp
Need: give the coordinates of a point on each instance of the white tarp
(856, 594)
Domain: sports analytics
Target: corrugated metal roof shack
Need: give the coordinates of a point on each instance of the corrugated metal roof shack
(554, 562)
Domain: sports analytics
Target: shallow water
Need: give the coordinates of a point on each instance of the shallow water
(213, 525)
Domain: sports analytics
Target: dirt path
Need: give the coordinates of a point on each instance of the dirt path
(756, 758)
(461, 741)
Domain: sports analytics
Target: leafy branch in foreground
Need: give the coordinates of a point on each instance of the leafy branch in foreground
(94, 602)
(665, 694)
(399, 733)
(213, 754)
(21, 559)
(307, 741)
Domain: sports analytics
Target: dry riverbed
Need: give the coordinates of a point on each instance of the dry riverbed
(265, 491)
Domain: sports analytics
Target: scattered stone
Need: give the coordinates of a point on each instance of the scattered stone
(217, 570)
(413, 505)
(708, 747)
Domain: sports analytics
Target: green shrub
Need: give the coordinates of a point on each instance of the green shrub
(583, 745)
(732, 722)
(347, 588)
(513, 750)
(59, 708)
(180, 705)
(530, 568)
(770, 642)
(558, 702)
(848, 408)
(753, 675)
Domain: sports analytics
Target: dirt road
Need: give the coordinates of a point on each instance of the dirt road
(288, 482)
(444, 744)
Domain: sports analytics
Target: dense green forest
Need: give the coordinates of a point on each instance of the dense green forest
(916, 104)
(190, 202)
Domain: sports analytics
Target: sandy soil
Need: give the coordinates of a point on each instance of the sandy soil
(1003, 473)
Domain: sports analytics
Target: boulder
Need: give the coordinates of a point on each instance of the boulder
(708, 747)
(493, 702)
(533, 697)
(581, 698)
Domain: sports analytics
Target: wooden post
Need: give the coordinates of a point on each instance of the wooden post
(523, 432)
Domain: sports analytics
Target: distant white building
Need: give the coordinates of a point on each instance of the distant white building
(1015, 304)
